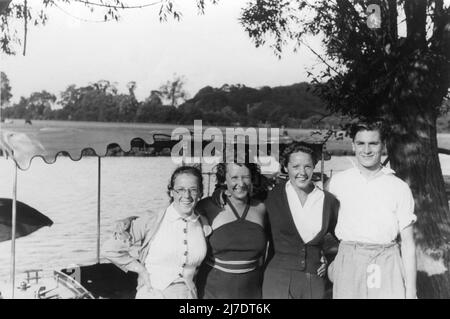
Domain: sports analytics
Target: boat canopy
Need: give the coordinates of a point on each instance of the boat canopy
(23, 143)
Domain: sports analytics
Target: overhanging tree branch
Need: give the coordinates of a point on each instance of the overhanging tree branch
(25, 14)
(121, 6)
(4, 5)
(320, 57)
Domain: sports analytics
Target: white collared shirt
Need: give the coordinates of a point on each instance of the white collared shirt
(307, 217)
(176, 251)
(372, 210)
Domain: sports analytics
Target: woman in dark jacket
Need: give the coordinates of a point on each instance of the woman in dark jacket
(300, 216)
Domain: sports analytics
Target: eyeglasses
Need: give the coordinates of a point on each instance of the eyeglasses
(185, 191)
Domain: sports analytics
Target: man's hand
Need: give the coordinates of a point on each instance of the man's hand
(323, 267)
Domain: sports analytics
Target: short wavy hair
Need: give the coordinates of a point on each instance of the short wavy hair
(368, 126)
(191, 170)
(298, 147)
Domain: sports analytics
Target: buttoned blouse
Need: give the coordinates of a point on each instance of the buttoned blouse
(372, 210)
(308, 217)
(176, 251)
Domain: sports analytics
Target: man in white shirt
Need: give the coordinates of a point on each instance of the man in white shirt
(376, 208)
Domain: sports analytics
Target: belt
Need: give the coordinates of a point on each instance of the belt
(372, 251)
(368, 246)
(234, 266)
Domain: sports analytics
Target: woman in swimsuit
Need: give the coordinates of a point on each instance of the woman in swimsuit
(237, 244)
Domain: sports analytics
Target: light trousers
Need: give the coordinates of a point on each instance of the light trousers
(368, 271)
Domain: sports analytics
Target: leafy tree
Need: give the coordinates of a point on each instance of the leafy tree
(39, 105)
(128, 104)
(100, 101)
(5, 89)
(240, 96)
(189, 112)
(18, 110)
(173, 91)
(144, 111)
(127, 107)
(95, 102)
(260, 112)
(154, 98)
(252, 105)
(131, 86)
(210, 99)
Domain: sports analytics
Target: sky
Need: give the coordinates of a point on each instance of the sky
(211, 49)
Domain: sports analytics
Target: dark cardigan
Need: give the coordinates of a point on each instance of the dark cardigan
(288, 251)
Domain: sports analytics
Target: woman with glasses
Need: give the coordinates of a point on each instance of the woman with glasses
(237, 244)
(171, 243)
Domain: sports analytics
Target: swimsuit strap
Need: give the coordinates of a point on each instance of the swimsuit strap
(244, 214)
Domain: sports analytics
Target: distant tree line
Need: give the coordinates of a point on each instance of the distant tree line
(291, 106)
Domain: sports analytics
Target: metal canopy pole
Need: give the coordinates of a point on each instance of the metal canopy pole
(13, 233)
(98, 208)
(322, 164)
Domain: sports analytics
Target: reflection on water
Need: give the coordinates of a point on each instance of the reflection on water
(66, 191)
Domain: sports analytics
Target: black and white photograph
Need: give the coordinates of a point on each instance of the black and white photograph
(225, 150)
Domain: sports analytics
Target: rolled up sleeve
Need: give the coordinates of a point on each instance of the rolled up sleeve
(117, 247)
(405, 208)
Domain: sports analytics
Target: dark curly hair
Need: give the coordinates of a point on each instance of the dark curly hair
(221, 171)
(294, 148)
(192, 170)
